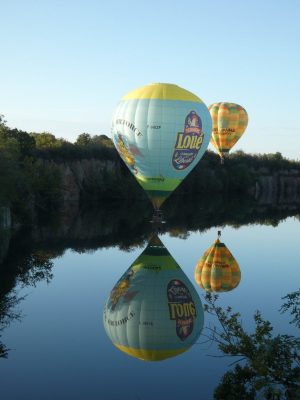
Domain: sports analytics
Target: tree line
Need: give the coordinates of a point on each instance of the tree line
(31, 181)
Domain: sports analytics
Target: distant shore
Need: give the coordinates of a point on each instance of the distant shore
(42, 175)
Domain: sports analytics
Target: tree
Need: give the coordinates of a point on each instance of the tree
(26, 143)
(102, 140)
(2, 123)
(46, 140)
(268, 366)
(83, 139)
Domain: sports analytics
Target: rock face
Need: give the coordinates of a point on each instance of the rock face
(4, 244)
(282, 187)
(81, 174)
(279, 188)
(5, 218)
(90, 179)
(5, 225)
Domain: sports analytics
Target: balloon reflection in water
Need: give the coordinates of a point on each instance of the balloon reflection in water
(161, 131)
(154, 311)
(217, 270)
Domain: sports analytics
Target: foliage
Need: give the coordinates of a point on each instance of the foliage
(8, 313)
(44, 179)
(31, 181)
(24, 265)
(8, 179)
(268, 365)
(24, 142)
(293, 306)
(83, 139)
(46, 140)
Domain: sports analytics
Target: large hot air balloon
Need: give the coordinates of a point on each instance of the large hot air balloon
(229, 123)
(154, 311)
(161, 131)
(217, 270)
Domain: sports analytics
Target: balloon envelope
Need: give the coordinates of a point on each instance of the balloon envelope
(229, 121)
(217, 270)
(161, 131)
(154, 311)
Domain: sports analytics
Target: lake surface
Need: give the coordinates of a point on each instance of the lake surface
(58, 347)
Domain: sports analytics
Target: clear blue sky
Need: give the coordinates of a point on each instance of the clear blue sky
(65, 64)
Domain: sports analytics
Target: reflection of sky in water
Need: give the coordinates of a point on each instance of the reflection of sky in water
(60, 349)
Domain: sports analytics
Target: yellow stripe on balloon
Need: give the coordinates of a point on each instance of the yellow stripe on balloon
(151, 355)
(163, 91)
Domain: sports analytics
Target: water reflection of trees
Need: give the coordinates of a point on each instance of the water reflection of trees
(267, 365)
(8, 313)
(24, 265)
(126, 224)
(26, 257)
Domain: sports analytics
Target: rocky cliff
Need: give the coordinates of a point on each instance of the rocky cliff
(281, 187)
(86, 181)
(5, 225)
(5, 218)
(80, 175)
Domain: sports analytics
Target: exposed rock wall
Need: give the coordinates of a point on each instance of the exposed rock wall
(5, 225)
(281, 187)
(5, 218)
(80, 174)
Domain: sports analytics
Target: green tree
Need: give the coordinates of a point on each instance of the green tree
(102, 140)
(44, 180)
(46, 140)
(8, 313)
(83, 139)
(2, 123)
(268, 365)
(22, 139)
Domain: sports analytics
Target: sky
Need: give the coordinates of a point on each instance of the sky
(66, 64)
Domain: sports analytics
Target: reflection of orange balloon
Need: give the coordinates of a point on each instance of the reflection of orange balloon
(217, 270)
(230, 121)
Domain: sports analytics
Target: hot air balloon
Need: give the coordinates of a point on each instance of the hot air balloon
(229, 122)
(154, 311)
(217, 270)
(161, 131)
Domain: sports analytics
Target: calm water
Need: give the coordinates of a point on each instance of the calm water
(59, 348)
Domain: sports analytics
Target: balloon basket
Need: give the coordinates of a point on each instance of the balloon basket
(158, 220)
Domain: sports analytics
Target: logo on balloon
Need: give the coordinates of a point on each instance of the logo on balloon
(188, 142)
(223, 131)
(181, 308)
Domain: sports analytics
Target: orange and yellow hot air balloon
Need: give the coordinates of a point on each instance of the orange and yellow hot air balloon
(229, 122)
(217, 270)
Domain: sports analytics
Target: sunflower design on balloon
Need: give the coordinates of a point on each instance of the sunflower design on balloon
(121, 290)
(128, 152)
